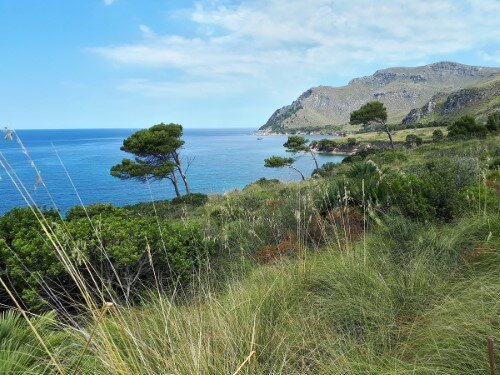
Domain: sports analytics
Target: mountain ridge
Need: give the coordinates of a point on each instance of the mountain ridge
(401, 89)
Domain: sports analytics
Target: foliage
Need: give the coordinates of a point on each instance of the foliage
(326, 170)
(115, 247)
(263, 182)
(193, 199)
(385, 262)
(296, 143)
(413, 140)
(493, 122)
(325, 145)
(437, 135)
(156, 155)
(21, 352)
(278, 162)
(371, 112)
(466, 126)
(351, 141)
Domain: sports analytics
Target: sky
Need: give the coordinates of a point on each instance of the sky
(212, 64)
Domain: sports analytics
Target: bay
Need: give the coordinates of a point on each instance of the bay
(220, 160)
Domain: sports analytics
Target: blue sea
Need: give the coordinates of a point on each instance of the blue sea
(221, 160)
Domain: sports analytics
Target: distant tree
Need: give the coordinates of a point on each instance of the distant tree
(466, 126)
(296, 144)
(413, 140)
(157, 157)
(324, 145)
(493, 122)
(280, 162)
(437, 135)
(369, 113)
(351, 141)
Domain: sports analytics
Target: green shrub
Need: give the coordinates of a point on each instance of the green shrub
(466, 126)
(437, 135)
(118, 249)
(193, 199)
(410, 196)
(413, 140)
(493, 122)
(325, 145)
(100, 209)
(351, 141)
(326, 170)
(263, 182)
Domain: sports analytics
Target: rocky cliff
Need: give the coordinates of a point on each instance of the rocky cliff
(400, 89)
(478, 100)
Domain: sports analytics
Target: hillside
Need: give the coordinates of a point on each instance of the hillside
(400, 89)
(479, 100)
(399, 276)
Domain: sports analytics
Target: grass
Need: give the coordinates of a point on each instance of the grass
(398, 136)
(365, 292)
(367, 310)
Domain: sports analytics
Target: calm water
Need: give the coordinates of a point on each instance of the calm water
(222, 160)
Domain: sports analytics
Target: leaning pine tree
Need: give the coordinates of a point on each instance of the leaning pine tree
(157, 157)
(372, 112)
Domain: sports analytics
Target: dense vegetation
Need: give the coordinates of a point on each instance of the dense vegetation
(385, 263)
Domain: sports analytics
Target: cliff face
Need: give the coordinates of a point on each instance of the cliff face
(400, 89)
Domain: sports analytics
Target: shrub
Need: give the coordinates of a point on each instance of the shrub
(100, 209)
(326, 170)
(351, 141)
(466, 126)
(193, 199)
(119, 250)
(324, 145)
(413, 140)
(409, 196)
(437, 135)
(264, 182)
(493, 122)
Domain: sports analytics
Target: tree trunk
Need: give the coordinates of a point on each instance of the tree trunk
(314, 158)
(177, 161)
(299, 172)
(173, 180)
(389, 134)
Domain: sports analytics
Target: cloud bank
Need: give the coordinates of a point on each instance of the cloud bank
(276, 42)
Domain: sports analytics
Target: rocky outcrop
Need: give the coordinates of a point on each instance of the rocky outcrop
(418, 113)
(402, 90)
(477, 100)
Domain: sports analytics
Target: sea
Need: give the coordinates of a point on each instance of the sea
(74, 166)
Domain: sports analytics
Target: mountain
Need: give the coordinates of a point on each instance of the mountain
(400, 89)
(478, 100)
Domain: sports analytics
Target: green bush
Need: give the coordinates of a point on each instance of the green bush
(119, 250)
(326, 170)
(410, 196)
(467, 126)
(99, 209)
(493, 122)
(413, 140)
(437, 135)
(193, 199)
(325, 145)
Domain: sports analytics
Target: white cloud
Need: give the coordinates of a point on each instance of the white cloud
(108, 2)
(275, 41)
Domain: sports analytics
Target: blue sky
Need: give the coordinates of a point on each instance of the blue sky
(133, 63)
